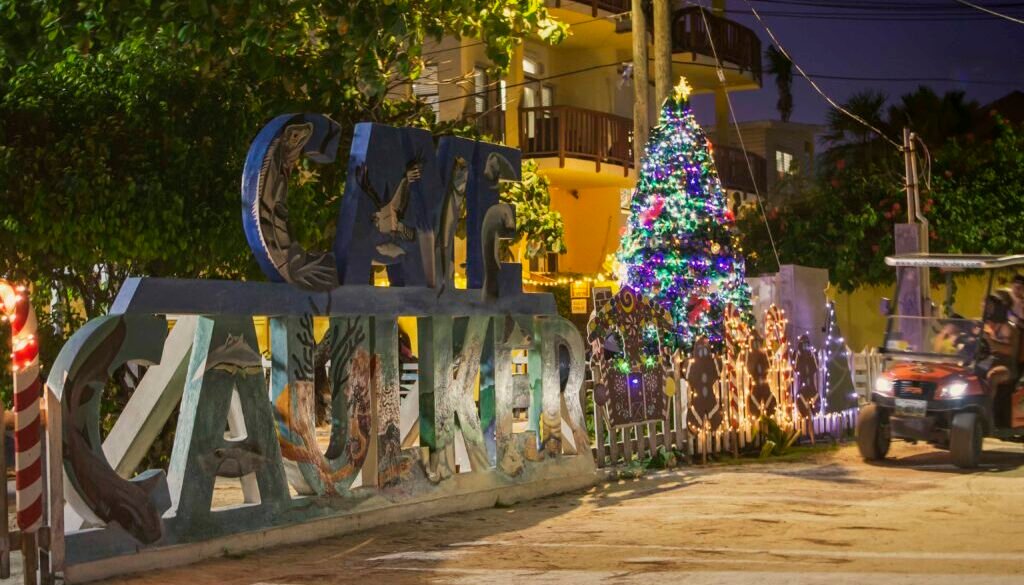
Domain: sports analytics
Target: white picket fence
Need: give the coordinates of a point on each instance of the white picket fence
(621, 444)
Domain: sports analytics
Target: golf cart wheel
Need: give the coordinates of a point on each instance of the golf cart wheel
(965, 437)
(873, 436)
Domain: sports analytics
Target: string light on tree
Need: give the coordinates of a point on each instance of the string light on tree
(840, 394)
(679, 246)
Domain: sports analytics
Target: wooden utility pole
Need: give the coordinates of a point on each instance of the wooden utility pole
(662, 51)
(640, 121)
(914, 216)
(912, 238)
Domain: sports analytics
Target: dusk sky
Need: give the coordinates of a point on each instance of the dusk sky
(925, 43)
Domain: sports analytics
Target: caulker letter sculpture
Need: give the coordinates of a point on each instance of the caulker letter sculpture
(402, 200)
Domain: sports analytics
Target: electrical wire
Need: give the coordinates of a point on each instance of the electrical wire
(992, 12)
(881, 6)
(743, 146)
(881, 17)
(478, 43)
(803, 74)
(528, 82)
(858, 78)
(891, 17)
(494, 85)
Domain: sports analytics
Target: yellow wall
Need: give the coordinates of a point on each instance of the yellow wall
(861, 321)
(592, 223)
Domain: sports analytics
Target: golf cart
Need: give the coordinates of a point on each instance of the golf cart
(949, 381)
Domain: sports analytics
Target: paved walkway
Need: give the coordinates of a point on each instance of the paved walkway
(833, 521)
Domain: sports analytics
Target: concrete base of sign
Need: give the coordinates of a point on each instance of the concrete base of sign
(461, 493)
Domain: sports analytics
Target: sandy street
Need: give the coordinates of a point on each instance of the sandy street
(832, 521)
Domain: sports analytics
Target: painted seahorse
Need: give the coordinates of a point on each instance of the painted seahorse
(499, 223)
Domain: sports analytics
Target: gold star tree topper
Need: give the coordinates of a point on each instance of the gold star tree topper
(682, 90)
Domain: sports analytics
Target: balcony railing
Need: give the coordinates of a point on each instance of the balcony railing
(490, 123)
(570, 132)
(733, 171)
(734, 43)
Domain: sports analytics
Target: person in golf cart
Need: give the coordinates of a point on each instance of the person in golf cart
(1017, 296)
(1002, 334)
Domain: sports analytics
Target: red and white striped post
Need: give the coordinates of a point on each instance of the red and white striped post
(28, 386)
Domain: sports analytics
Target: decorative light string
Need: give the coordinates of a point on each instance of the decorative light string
(568, 280)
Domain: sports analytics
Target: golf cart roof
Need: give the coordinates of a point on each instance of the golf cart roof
(955, 261)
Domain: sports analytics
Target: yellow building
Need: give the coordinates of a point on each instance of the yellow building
(569, 107)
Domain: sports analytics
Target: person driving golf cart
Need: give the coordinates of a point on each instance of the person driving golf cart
(954, 337)
(1000, 329)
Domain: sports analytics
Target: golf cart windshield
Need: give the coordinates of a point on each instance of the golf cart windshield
(933, 337)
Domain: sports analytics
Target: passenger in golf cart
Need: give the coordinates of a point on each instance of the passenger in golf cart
(1002, 335)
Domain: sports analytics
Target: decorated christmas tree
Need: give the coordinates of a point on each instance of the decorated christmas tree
(680, 247)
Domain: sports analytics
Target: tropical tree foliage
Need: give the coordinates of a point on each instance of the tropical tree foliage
(978, 194)
(536, 223)
(844, 219)
(124, 124)
(844, 223)
(782, 68)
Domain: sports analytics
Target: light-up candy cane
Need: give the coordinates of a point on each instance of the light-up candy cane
(737, 340)
(777, 345)
(28, 387)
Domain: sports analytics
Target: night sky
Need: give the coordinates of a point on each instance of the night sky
(970, 49)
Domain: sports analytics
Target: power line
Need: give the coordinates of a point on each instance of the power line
(915, 79)
(1003, 82)
(881, 5)
(739, 134)
(810, 76)
(478, 43)
(894, 17)
(801, 71)
(528, 82)
(992, 12)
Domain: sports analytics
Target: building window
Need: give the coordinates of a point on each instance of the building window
(480, 90)
(426, 88)
(783, 162)
(530, 66)
(544, 262)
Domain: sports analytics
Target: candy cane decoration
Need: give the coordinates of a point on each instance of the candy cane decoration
(778, 351)
(737, 340)
(28, 478)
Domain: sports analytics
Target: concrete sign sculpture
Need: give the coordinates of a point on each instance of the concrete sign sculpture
(449, 446)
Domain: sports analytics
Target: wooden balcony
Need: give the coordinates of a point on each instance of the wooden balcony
(490, 123)
(735, 44)
(606, 139)
(733, 171)
(570, 132)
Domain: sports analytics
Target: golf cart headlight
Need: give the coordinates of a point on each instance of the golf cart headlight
(883, 386)
(954, 389)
